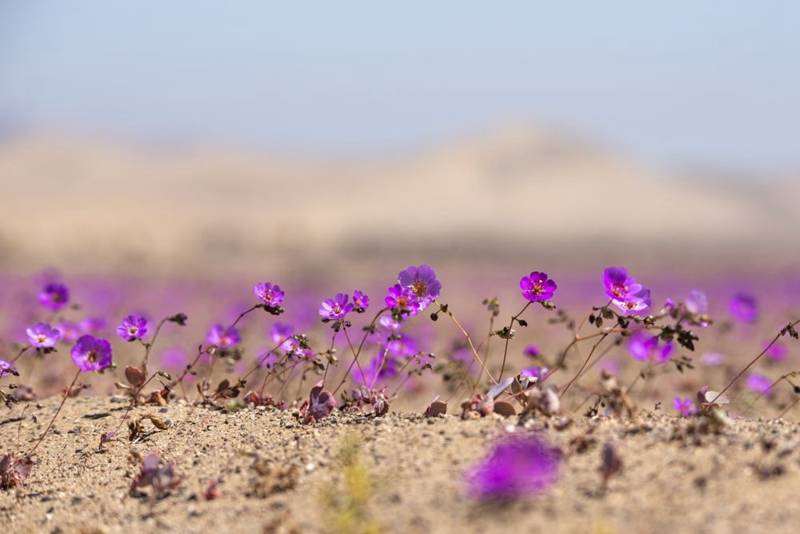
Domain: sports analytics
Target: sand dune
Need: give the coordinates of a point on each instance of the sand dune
(83, 202)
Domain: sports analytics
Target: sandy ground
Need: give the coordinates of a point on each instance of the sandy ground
(408, 475)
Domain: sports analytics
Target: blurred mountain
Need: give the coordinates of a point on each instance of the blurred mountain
(94, 205)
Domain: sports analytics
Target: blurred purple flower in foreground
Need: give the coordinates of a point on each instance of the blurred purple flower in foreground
(422, 282)
(685, 407)
(515, 467)
(758, 383)
(537, 287)
(43, 336)
(54, 296)
(222, 337)
(270, 294)
(91, 354)
(132, 327)
(744, 308)
(336, 308)
(644, 347)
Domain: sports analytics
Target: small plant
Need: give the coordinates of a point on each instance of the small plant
(346, 504)
(160, 477)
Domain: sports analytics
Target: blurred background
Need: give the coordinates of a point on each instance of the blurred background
(164, 156)
(197, 138)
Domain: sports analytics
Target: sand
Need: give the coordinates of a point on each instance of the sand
(407, 475)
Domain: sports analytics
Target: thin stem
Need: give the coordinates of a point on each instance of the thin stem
(508, 338)
(189, 367)
(58, 411)
(22, 351)
(486, 352)
(788, 408)
(260, 359)
(330, 353)
(379, 368)
(585, 363)
(355, 356)
(402, 382)
(753, 362)
(360, 347)
(241, 315)
(148, 346)
(639, 375)
(471, 345)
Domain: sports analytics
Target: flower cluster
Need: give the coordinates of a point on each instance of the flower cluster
(416, 289)
(628, 295)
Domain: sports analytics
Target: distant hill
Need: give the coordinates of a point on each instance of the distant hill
(86, 203)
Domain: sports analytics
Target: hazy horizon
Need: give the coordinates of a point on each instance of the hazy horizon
(699, 84)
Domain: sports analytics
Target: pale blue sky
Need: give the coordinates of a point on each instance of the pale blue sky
(679, 82)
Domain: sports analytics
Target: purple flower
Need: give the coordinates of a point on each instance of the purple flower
(712, 358)
(402, 345)
(70, 331)
(610, 366)
(174, 359)
(744, 308)
(92, 325)
(336, 308)
(270, 294)
(360, 301)
(132, 327)
(634, 303)
(696, 302)
(91, 354)
(644, 347)
(372, 374)
(619, 284)
(532, 351)
(54, 296)
(758, 383)
(422, 282)
(43, 336)
(6, 368)
(536, 372)
(387, 322)
(515, 467)
(537, 287)
(224, 338)
(777, 352)
(402, 300)
(280, 332)
(685, 407)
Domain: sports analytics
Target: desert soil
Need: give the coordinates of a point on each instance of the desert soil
(274, 474)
